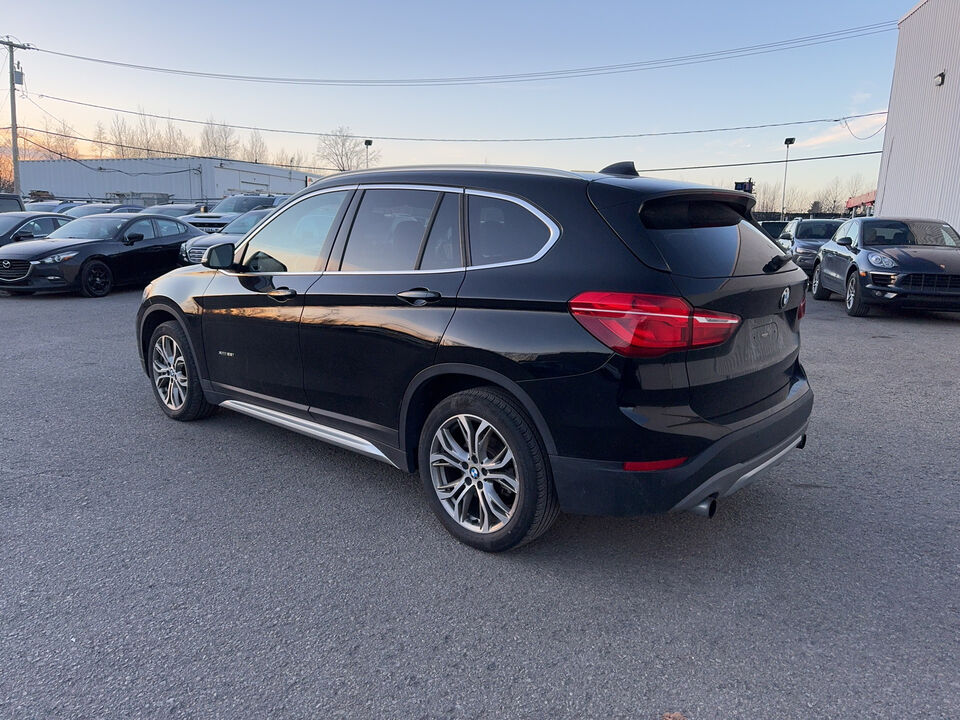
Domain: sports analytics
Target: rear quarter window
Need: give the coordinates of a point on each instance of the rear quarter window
(503, 231)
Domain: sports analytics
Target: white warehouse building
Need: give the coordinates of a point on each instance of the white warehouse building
(920, 167)
(186, 179)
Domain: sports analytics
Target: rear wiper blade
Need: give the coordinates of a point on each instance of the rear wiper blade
(777, 262)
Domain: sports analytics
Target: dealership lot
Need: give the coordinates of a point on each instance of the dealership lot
(228, 568)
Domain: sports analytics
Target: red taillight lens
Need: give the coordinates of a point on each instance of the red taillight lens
(802, 308)
(638, 325)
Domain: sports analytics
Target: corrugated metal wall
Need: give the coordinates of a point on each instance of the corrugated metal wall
(183, 178)
(920, 168)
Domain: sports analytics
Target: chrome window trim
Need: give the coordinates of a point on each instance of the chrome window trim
(552, 227)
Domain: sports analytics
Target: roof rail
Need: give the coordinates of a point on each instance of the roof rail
(621, 168)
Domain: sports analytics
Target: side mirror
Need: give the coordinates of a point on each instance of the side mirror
(218, 257)
(131, 238)
(845, 241)
(24, 235)
(786, 236)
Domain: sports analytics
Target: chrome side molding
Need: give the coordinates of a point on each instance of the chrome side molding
(308, 428)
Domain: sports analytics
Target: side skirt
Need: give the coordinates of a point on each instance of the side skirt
(308, 428)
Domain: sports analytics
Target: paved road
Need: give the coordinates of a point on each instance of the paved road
(229, 569)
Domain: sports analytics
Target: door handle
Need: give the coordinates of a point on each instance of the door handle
(419, 296)
(281, 294)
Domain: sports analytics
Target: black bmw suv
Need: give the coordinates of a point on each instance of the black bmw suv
(529, 340)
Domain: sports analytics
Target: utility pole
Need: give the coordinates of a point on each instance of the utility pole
(14, 144)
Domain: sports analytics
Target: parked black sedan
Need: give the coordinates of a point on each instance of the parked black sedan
(16, 226)
(898, 262)
(94, 254)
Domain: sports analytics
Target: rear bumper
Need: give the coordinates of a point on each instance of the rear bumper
(589, 487)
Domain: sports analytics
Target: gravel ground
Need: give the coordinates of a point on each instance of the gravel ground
(229, 569)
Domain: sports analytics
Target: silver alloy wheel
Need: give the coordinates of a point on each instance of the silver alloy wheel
(815, 283)
(474, 473)
(851, 291)
(170, 372)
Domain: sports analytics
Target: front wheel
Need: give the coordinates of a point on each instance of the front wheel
(816, 285)
(853, 300)
(96, 279)
(176, 383)
(485, 472)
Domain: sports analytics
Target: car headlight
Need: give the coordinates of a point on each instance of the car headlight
(805, 251)
(878, 260)
(58, 258)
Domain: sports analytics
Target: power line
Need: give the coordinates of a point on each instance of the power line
(761, 162)
(307, 167)
(103, 169)
(464, 140)
(169, 154)
(636, 66)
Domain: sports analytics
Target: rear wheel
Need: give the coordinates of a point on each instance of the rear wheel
(853, 300)
(485, 471)
(96, 279)
(816, 285)
(176, 383)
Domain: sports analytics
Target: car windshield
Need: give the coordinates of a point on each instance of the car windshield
(8, 222)
(817, 229)
(241, 203)
(81, 210)
(91, 228)
(243, 223)
(909, 232)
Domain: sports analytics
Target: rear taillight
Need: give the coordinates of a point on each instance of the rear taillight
(802, 307)
(638, 325)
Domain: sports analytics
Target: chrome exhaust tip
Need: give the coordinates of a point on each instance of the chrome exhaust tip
(707, 507)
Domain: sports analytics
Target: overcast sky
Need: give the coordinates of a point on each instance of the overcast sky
(363, 39)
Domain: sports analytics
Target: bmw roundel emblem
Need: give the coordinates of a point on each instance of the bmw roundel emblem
(784, 297)
(474, 473)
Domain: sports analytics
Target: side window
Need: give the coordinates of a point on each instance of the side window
(169, 227)
(442, 249)
(842, 231)
(32, 227)
(142, 226)
(791, 228)
(388, 230)
(503, 231)
(295, 240)
(61, 222)
(854, 232)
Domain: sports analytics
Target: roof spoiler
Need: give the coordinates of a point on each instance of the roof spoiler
(621, 168)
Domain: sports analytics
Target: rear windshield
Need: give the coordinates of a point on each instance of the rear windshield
(818, 229)
(910, 232)
(706, 238)
(9, 204)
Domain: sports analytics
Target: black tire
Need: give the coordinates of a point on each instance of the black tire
(96, 279)
(192, 404)
(534, 505)
(853, 298)
(816, 285)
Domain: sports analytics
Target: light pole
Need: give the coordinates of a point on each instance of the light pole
(367, 144)
(783, 197)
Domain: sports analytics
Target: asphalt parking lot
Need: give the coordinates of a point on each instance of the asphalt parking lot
(227, 568)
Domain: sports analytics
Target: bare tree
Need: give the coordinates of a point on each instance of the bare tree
(174, 142)
(217, 140)
(6, 162)
(342, 151)
(768, 196)
(120, 137)
(855, 185)
(99, 140)
(58, 142)
(255, 149)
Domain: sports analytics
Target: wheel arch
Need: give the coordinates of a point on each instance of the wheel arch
(154, 316)
(440, 381)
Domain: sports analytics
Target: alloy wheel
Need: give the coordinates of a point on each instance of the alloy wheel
(815, 282)
(851, 291)
(169, 372)
(474, 473)
(98, 279)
